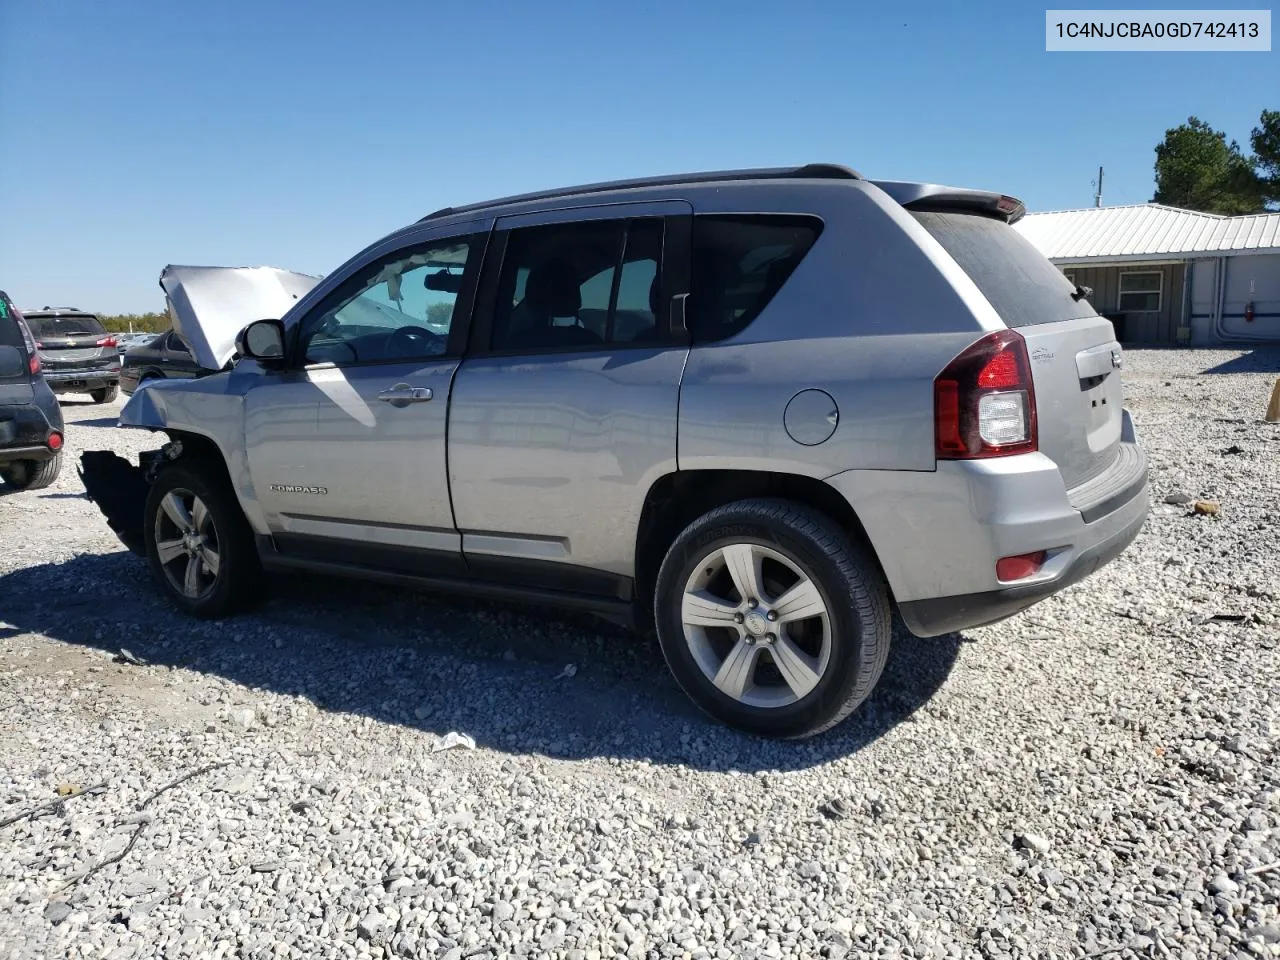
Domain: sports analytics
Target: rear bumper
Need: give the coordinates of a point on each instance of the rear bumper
(934, 617)
(938, 534)
(24, 432)
(10, 454)
(68, 381)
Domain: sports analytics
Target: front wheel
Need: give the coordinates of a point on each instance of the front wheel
(199, 545)
(771, 619)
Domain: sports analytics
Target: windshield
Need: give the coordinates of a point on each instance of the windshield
(64, 326)
(1017, 279)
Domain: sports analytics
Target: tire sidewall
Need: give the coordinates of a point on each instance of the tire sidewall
(847, 649)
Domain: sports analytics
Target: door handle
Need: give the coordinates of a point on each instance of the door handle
(401, 395)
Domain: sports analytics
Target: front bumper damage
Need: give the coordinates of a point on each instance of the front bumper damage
(119, 489)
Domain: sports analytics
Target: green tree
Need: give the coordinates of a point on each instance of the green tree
(137, 322)
(1265, 141)
(1198, 169)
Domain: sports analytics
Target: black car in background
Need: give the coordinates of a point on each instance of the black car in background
(78, 354)
(31, 428)
(162, 357)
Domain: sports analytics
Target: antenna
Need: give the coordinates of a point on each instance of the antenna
(1097, 189)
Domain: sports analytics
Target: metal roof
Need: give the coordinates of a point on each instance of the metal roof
(1147, 231)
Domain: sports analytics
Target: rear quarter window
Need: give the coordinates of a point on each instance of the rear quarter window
(1020, 283)
(740, 262)
(10, 335)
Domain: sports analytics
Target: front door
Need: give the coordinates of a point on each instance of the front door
(565, 410)
(347, 450)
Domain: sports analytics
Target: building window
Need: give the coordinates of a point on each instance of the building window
(1140, 292)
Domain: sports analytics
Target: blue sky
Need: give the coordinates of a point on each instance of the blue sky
(138, 134)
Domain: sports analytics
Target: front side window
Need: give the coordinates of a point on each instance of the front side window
(579, 285)
(1140, 292)
(739, 265)
(399, 309)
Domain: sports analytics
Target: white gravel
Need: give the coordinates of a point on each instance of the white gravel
(1096, 777)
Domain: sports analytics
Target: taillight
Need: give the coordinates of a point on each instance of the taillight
(33, 363)
(984, 403)
(107, 342)
(55, 441)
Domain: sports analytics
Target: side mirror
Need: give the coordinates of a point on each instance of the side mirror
(264, 341)
(12, 362)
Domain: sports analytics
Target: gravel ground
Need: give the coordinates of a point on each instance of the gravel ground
(1095, 777)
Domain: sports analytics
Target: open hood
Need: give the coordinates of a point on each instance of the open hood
(210, 305)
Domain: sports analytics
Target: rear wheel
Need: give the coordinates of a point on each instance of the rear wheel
(771, 619)
(106, 394)
(31, 474)
(199, 544)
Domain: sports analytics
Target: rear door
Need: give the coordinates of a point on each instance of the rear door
(564, 411)
(1075, 359)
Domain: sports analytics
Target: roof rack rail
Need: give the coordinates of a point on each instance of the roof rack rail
(810, 171)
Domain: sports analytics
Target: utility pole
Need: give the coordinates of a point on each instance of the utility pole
(1097, 196)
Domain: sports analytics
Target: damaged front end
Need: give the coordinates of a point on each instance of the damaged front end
(120, 489)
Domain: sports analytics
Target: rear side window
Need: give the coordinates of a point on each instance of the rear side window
(10, 335)
(67, 326)
(1017, 279)
(574, 286)
(739, 265)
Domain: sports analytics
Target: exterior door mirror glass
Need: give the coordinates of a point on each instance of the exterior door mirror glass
(262, 340)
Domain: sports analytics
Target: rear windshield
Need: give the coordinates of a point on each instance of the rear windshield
(1022, 285)
(64, 326)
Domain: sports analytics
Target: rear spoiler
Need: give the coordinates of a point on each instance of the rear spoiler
(939, 199)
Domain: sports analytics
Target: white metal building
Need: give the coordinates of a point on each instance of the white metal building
(1167, 275)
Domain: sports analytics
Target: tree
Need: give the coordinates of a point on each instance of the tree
(1266, 154)
(137, 322)
(1198, 169)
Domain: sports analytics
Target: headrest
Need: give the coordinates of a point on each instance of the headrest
(553, 290)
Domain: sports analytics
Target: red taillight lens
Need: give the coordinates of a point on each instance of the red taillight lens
(55, 441)
(1000, 373)
(1020, 567)
(984, 403)
(33, 363)
(108, 342)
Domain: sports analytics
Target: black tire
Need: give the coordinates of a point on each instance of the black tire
(106, 394)
(32, 474)
(857, 627)
(236, 582)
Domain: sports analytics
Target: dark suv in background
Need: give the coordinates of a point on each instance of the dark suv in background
(30, 419)
(77, 352)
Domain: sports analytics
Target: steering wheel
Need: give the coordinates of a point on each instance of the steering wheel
(414, 341)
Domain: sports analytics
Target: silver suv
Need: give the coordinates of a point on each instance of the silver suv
(755, 409)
